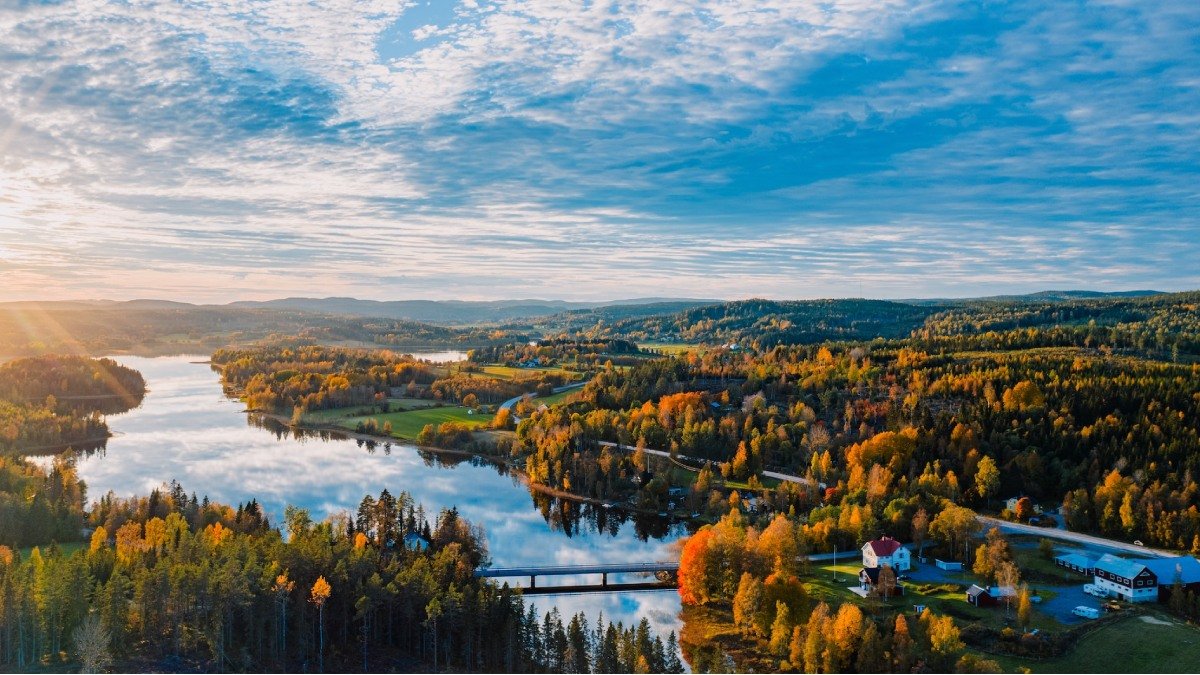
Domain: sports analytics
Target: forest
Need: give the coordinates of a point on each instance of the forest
(167, 582)
(48, 405)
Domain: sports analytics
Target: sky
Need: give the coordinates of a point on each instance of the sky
(591, 150)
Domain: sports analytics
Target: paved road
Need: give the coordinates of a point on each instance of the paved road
(663, 453)
(513, 401)
(1077, 537)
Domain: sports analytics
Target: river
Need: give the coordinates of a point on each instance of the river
(186, 429)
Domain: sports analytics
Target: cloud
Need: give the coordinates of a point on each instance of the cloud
(485, 149)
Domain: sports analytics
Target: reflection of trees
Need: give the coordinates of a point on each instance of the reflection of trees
(85, 449)
(572, 517)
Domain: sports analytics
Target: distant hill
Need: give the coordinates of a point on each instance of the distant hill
(765, 323)
(1040, 296)
(450, 311)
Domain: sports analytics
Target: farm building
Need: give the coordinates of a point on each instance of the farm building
(1185, 567)
(1129, 580)
(886, 551)
(948, 565)
(1076, 562)
(979, 596)
(986, 597)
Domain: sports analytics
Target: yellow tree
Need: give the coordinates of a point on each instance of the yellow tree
(320, 593)
(283, 589)
(1024, 607)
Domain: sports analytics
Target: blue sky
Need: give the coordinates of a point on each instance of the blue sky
(593, 150)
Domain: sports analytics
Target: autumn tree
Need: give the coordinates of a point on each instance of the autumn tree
(747, 604)
(920, 530)
(781, 630)
(987, 478)
(321, 591)
(954, 527)
(1024, 607)
(695, 582)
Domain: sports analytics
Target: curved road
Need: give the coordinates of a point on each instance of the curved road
(513, 401)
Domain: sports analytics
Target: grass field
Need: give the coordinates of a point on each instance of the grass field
(511, 373)
(67, 549)
(1138, 644)
(408, 424)
(670, 348)
(552, 399)
(337, 415)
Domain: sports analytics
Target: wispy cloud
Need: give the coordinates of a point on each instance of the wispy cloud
(597, 149)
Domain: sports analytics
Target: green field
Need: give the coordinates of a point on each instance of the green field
(1138, 644)
(671, 348)
(554, 399)
(336, 415)
(67, 548)
(512, 373)
(408, 424)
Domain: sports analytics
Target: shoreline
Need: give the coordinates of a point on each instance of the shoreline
(498, 461)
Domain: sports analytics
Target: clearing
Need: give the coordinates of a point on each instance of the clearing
(1147, 644)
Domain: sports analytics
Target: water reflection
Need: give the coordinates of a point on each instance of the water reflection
(186, 429)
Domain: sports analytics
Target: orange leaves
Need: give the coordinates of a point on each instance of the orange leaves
(321, 590)
(129, 542)
(217, 533)
(693, 575)
(360, 541)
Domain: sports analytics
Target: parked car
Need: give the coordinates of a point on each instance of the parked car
(1094, 590)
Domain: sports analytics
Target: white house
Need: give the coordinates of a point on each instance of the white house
(886, 551)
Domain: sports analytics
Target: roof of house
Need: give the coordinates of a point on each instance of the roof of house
(872, 573)
(1077, 559)
(1121, 567)
(977, 590)
(883, 546)
(1165, 569)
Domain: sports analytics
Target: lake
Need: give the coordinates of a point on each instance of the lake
(186, 429)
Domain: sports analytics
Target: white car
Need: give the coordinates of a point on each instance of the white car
(1093, 589)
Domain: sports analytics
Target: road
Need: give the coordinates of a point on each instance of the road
(1077, 537)
(513, 401)
(696, 460)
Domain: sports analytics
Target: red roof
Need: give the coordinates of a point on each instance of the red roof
(884, 547)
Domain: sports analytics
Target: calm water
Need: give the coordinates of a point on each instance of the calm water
(187, 430)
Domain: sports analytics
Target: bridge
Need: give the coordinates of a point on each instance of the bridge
(664, 573)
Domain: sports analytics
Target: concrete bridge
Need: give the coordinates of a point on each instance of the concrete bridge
(663, 571)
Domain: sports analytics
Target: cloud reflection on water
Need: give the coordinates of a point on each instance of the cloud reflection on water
(187, 430)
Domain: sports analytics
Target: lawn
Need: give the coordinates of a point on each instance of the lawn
(939, 598)
(1139, 644)
(409, 423)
